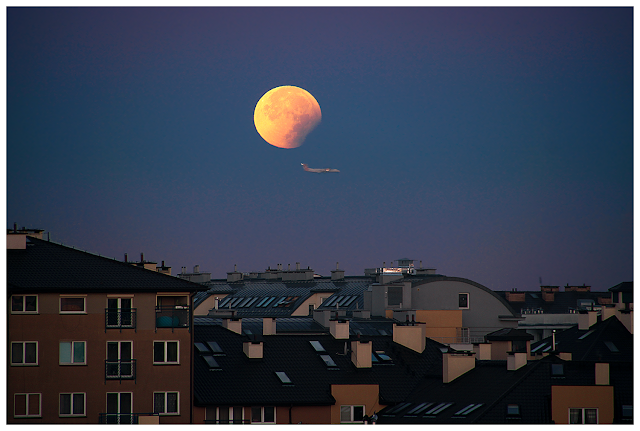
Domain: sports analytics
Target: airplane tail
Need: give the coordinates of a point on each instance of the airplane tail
(305, 166)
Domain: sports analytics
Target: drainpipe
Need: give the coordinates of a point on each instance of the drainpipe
(290, 420)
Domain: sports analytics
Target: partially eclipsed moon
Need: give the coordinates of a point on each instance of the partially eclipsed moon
(285, 115)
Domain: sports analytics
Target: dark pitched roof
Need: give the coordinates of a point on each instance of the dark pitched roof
(625, 286)
(508, 334)
(242, 381)
(606, 341)
(47, 266)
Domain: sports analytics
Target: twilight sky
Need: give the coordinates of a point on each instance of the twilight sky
(494, 144)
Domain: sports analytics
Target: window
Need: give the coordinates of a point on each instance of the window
(27, 405)
(351, 414)
(513, 410)
(119, 313)
(284, 378)
(72, 404)
(72, 353)
(557, 370)
(24, 353)
(263, 415)
(120, 363)
(72, 305)
(24, 304)
(463, 300)
(119, 408)
(165, 352)
(165, 403)
(627, 412)
(583, 416)
(230, 415)
(519, 346)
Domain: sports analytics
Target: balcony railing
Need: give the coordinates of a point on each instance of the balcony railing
(119, 318)
(227, 421)
(120, 369)
(122, 418)
(173, 317)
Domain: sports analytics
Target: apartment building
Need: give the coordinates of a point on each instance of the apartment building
(94, 340)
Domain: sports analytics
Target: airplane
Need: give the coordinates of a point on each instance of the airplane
(317, 171)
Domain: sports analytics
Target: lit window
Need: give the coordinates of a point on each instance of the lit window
(72, 305)
(27, 405)
(72, 352)
(24, 353)
(165, 403)
(72, 404)
(24, 304)
(263, 415)
(351, 414)
(463, 300)
(165, 352)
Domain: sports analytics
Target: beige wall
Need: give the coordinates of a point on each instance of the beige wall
(208, 304)
(441, 324)
(565, 397)
(355, 395)
(455, 365)
(316, 299)
(499, 350)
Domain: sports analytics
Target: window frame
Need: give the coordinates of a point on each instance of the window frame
(84, 304)
(71, 395)
(583, 411)
(352, 411)
(262, 420)
(27, 396)
(231, 420)
(460, 295)
(23, 363)
(73, 343)
(165, 393)
(23, 311)
(166, 362)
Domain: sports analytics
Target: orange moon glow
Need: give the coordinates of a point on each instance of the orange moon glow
(285, 115)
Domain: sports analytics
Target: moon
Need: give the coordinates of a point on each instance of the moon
(285, 115)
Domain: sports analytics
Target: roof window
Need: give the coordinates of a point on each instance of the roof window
(585, 335)
(284, 378)
(437, 409)
(611, 346)
(513, 410)
(202, 349)
(248, 304)
(317, 346)
(211, 362)
(215, 347)
(557, 370)
(468, 409)
(419, 408)
(328, 361)
(538, 347)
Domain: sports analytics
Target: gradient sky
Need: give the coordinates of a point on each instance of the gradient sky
(494, 144)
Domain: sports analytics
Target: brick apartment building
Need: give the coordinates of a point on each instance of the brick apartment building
(94, 340)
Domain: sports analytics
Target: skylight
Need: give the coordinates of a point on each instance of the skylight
(348, 303)
(201, 348)
(399, 408)
(538, 347)
(317, 346)
(224, 302)
(242, 304)
(248, 304)
(382, 332)
(439, 408)
(259, 304)
(557, 370)
(585, 335)
(611, 346)
(210, 360)
(470, 408)
(284, 378)
(328, 361)
(383, 356)
(419, 408)
(330, 302)
(215, 347)
(513, 410)
(268, 301)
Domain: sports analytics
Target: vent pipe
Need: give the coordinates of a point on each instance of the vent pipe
(125, 258)
(141, 257)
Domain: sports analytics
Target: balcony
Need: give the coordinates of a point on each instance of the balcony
(177, 316)
(120, 369)
(119, 318)
(128, 418)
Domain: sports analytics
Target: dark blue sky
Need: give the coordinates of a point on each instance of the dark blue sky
(492, 144)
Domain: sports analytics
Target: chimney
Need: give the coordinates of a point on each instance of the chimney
(515, 296)
(297, 266)
(483, 351)
(602, 374)
(196, 269)
(516, 360)
(412, 336)
(253, 349)
(268, 326)
(125, 258)
(361, 353)
(233, 325)
(586, 319)
(337, 274)
(456, 363)
(141, 257)
(163, 263)
(216, 301)
(339, 329)
(288, 267)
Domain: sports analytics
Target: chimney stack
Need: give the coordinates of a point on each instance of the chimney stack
(268, 326)
(297, 266)
(141, 257)
(233, 325)
(602, 374)
(361, 353)
(125, 258)
(339, 329)
(253, 349)
(456, 363)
